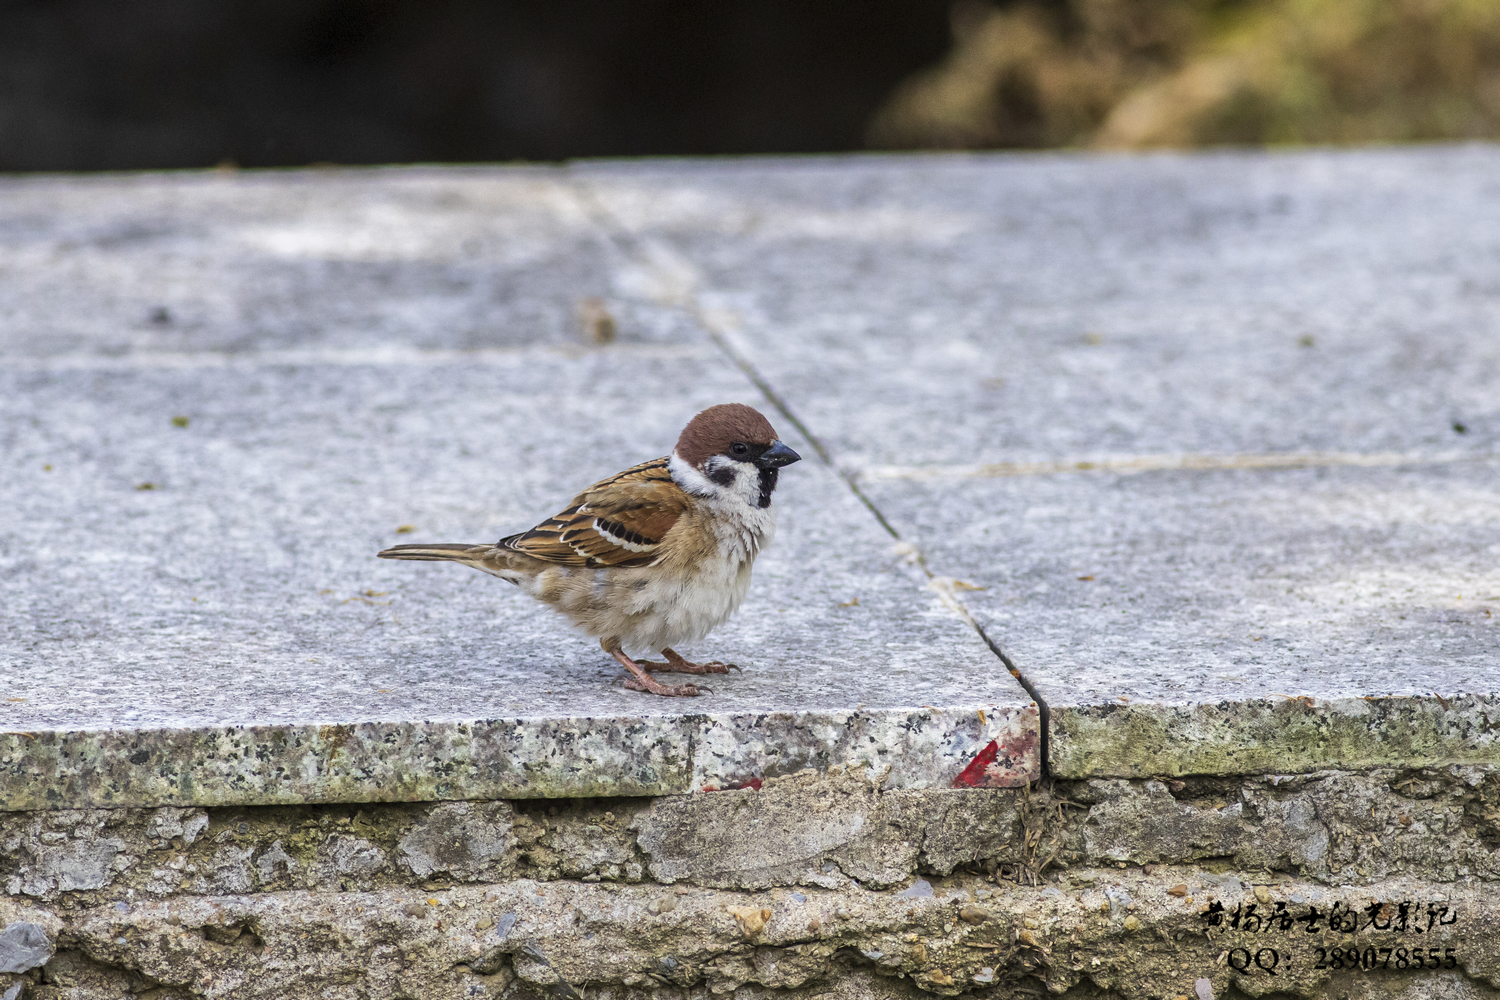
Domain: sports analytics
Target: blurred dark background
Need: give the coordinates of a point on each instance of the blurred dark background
(106, 84)
(129, 84)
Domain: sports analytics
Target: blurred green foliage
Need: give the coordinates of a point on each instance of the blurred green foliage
(1154, 73)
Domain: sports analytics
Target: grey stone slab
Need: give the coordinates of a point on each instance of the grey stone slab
(1238, 621)
(963, 310)
(1250, 395)
(292, 260)
(226, 636)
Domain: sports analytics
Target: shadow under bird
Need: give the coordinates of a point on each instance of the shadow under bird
(657, 555)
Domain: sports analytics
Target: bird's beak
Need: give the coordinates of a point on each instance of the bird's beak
(776, 456)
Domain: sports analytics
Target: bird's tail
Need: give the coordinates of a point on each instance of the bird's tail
(440, 552)
(491, 559)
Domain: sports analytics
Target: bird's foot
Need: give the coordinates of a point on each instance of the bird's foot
(676, 663)
(686, 667)
(639, 680)
(665, 690)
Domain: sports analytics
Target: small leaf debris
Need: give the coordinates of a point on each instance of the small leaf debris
(146, 486)
(180, 421)
(405, 529)
(595, 319)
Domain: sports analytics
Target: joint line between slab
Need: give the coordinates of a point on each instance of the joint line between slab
(631, 246)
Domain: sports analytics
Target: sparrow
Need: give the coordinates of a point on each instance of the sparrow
(657, 555)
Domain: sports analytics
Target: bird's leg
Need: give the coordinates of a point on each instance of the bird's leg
(677, 665)
(639, 680)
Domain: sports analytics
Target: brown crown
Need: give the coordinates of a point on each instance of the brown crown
(716, 428)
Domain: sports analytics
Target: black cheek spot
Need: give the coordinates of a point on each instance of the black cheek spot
(723, 475)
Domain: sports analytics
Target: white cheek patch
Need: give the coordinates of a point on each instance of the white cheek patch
(739, 480)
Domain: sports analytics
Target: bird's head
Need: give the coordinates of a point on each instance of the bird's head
(736, 449)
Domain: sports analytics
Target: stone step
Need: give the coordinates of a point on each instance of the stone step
(1202, 446)
(1212, 438)
(223, 395)
(1324, 885)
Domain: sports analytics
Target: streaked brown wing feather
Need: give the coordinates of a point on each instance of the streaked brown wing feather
(619, 521)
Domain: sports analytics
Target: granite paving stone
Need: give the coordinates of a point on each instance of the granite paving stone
(1212, 436)
(221, 394)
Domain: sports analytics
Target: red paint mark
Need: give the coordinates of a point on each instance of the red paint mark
(735, 786)
(1007, 762)
(973, 775)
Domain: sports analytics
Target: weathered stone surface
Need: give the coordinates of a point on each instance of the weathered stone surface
(1337, 827)
(1092, 889)
(825, 829)
(796, 831)
(461, 840)
(1123, 932)
(1278, 733)
(1340, 828)
(738, 839)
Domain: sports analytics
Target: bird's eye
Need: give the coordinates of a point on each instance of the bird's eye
(739, 448)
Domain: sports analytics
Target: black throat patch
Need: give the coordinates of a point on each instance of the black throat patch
(767, 485)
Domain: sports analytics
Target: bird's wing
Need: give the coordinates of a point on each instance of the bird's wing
(619, 521)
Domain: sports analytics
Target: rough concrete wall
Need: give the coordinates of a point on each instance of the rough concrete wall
(815, 885)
